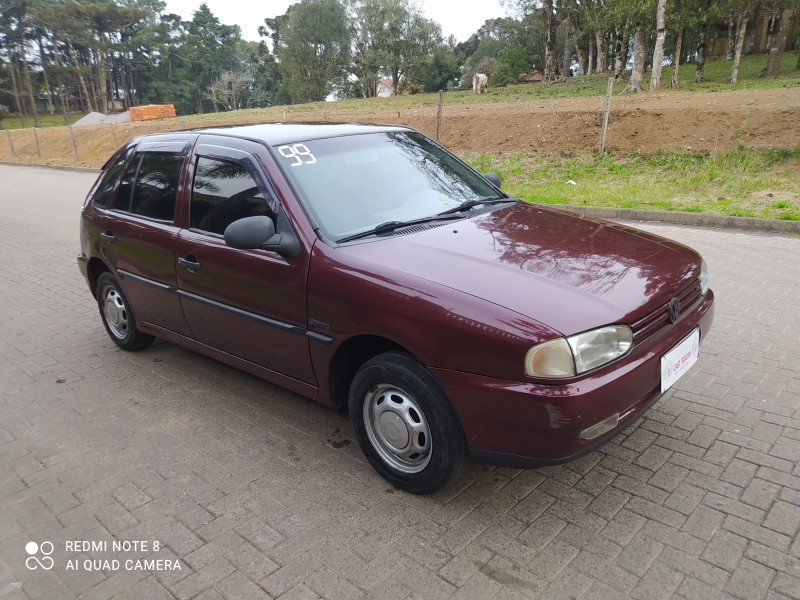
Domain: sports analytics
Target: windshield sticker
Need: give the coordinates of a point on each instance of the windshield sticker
(299, 153)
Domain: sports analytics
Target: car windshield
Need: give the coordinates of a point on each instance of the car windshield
(352, 184)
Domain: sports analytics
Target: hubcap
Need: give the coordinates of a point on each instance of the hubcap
(116, 313)
(397, 428)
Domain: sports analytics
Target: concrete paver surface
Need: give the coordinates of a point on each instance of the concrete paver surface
(120, 466)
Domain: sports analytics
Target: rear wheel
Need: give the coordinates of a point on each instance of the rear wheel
(117, 315)
(405, 424)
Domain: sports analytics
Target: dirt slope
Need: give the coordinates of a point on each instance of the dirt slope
(646, 123)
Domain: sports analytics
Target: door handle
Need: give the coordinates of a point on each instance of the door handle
(189, 264)
(109, 237)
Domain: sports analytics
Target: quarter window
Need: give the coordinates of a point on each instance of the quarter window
(225, 192)
(105, 189)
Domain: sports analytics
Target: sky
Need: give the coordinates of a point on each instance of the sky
(460, 18)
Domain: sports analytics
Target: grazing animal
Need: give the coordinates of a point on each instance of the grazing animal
(479, 83)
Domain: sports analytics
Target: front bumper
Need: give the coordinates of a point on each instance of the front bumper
(525, 424)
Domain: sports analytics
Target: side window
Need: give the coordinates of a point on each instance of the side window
(108, 181)
(224, 192)
(156, 188)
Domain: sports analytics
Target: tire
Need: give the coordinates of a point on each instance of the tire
(405, 425)
(117, 315)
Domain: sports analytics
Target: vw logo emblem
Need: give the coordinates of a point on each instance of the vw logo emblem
(674, 310)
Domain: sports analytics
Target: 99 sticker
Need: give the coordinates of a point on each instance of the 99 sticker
(299, 153)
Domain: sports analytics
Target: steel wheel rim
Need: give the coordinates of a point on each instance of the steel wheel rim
(397, 428)
(115, 312)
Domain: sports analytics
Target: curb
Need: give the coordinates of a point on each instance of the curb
(55, 167)
(622, 214)
(685, 218)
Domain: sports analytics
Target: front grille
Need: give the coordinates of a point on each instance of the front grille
(655, 320)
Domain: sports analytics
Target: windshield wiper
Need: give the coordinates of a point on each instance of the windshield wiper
(468, 204)
(392, 225)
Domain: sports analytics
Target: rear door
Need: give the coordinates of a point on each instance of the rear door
(138, 232)
(247, 303)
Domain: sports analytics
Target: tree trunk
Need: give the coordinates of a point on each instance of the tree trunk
(50, 107)
(639, 56)
(658, 51)
(550, 68)
(566, 62)
(676, 59)
(15, 92)
(620, 54)
(590, 64)
(602, 52)
(772, 22)
(731, 31)
(29, 86)
(741, 30)
(699, 70)
(778, 44)
(81, 81)
(581, 52)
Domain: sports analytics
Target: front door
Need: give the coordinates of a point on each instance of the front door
(248, 303)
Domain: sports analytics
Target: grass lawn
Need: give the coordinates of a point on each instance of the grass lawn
(45, 120)
(742, 183)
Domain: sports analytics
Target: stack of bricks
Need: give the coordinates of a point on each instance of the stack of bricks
(152, 111)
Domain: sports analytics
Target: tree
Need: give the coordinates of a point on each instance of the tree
(778, 42)
(658, 52)
(314, 49)
(741, 28)
(550, 24)
(229, 91)
(210, 47)
(439, 72)
(639, 55)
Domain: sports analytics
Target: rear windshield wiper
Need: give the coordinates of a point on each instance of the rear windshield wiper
(468, 204)
(392, 225)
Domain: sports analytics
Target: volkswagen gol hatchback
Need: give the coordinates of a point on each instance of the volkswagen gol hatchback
(367, 266)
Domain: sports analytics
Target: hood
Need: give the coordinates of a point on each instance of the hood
(568, 272)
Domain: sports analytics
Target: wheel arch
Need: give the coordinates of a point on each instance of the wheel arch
(95, 268)
(349, 357)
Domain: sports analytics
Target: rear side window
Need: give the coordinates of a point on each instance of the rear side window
(225, 192)
(149, 187)
(108, 181)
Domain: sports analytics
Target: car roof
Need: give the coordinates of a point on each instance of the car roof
(275, 134)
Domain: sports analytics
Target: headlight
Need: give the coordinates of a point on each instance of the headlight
(703, 277)
(567, 357)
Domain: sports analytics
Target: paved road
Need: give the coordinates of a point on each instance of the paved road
(257, 493)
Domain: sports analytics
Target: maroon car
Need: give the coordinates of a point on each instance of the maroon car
(367, 266)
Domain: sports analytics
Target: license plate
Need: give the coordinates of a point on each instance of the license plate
(677, 361)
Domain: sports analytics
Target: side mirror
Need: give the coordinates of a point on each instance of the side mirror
(251, 233)
(493, 178)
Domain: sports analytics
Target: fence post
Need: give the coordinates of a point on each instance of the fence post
(11, 144)
(439, 115)
(609, 91)
(74, 144)
(36, 139)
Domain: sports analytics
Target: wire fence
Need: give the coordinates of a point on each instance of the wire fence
(92, 145)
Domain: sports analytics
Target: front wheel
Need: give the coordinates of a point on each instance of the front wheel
(117, 315)
(405, 425)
